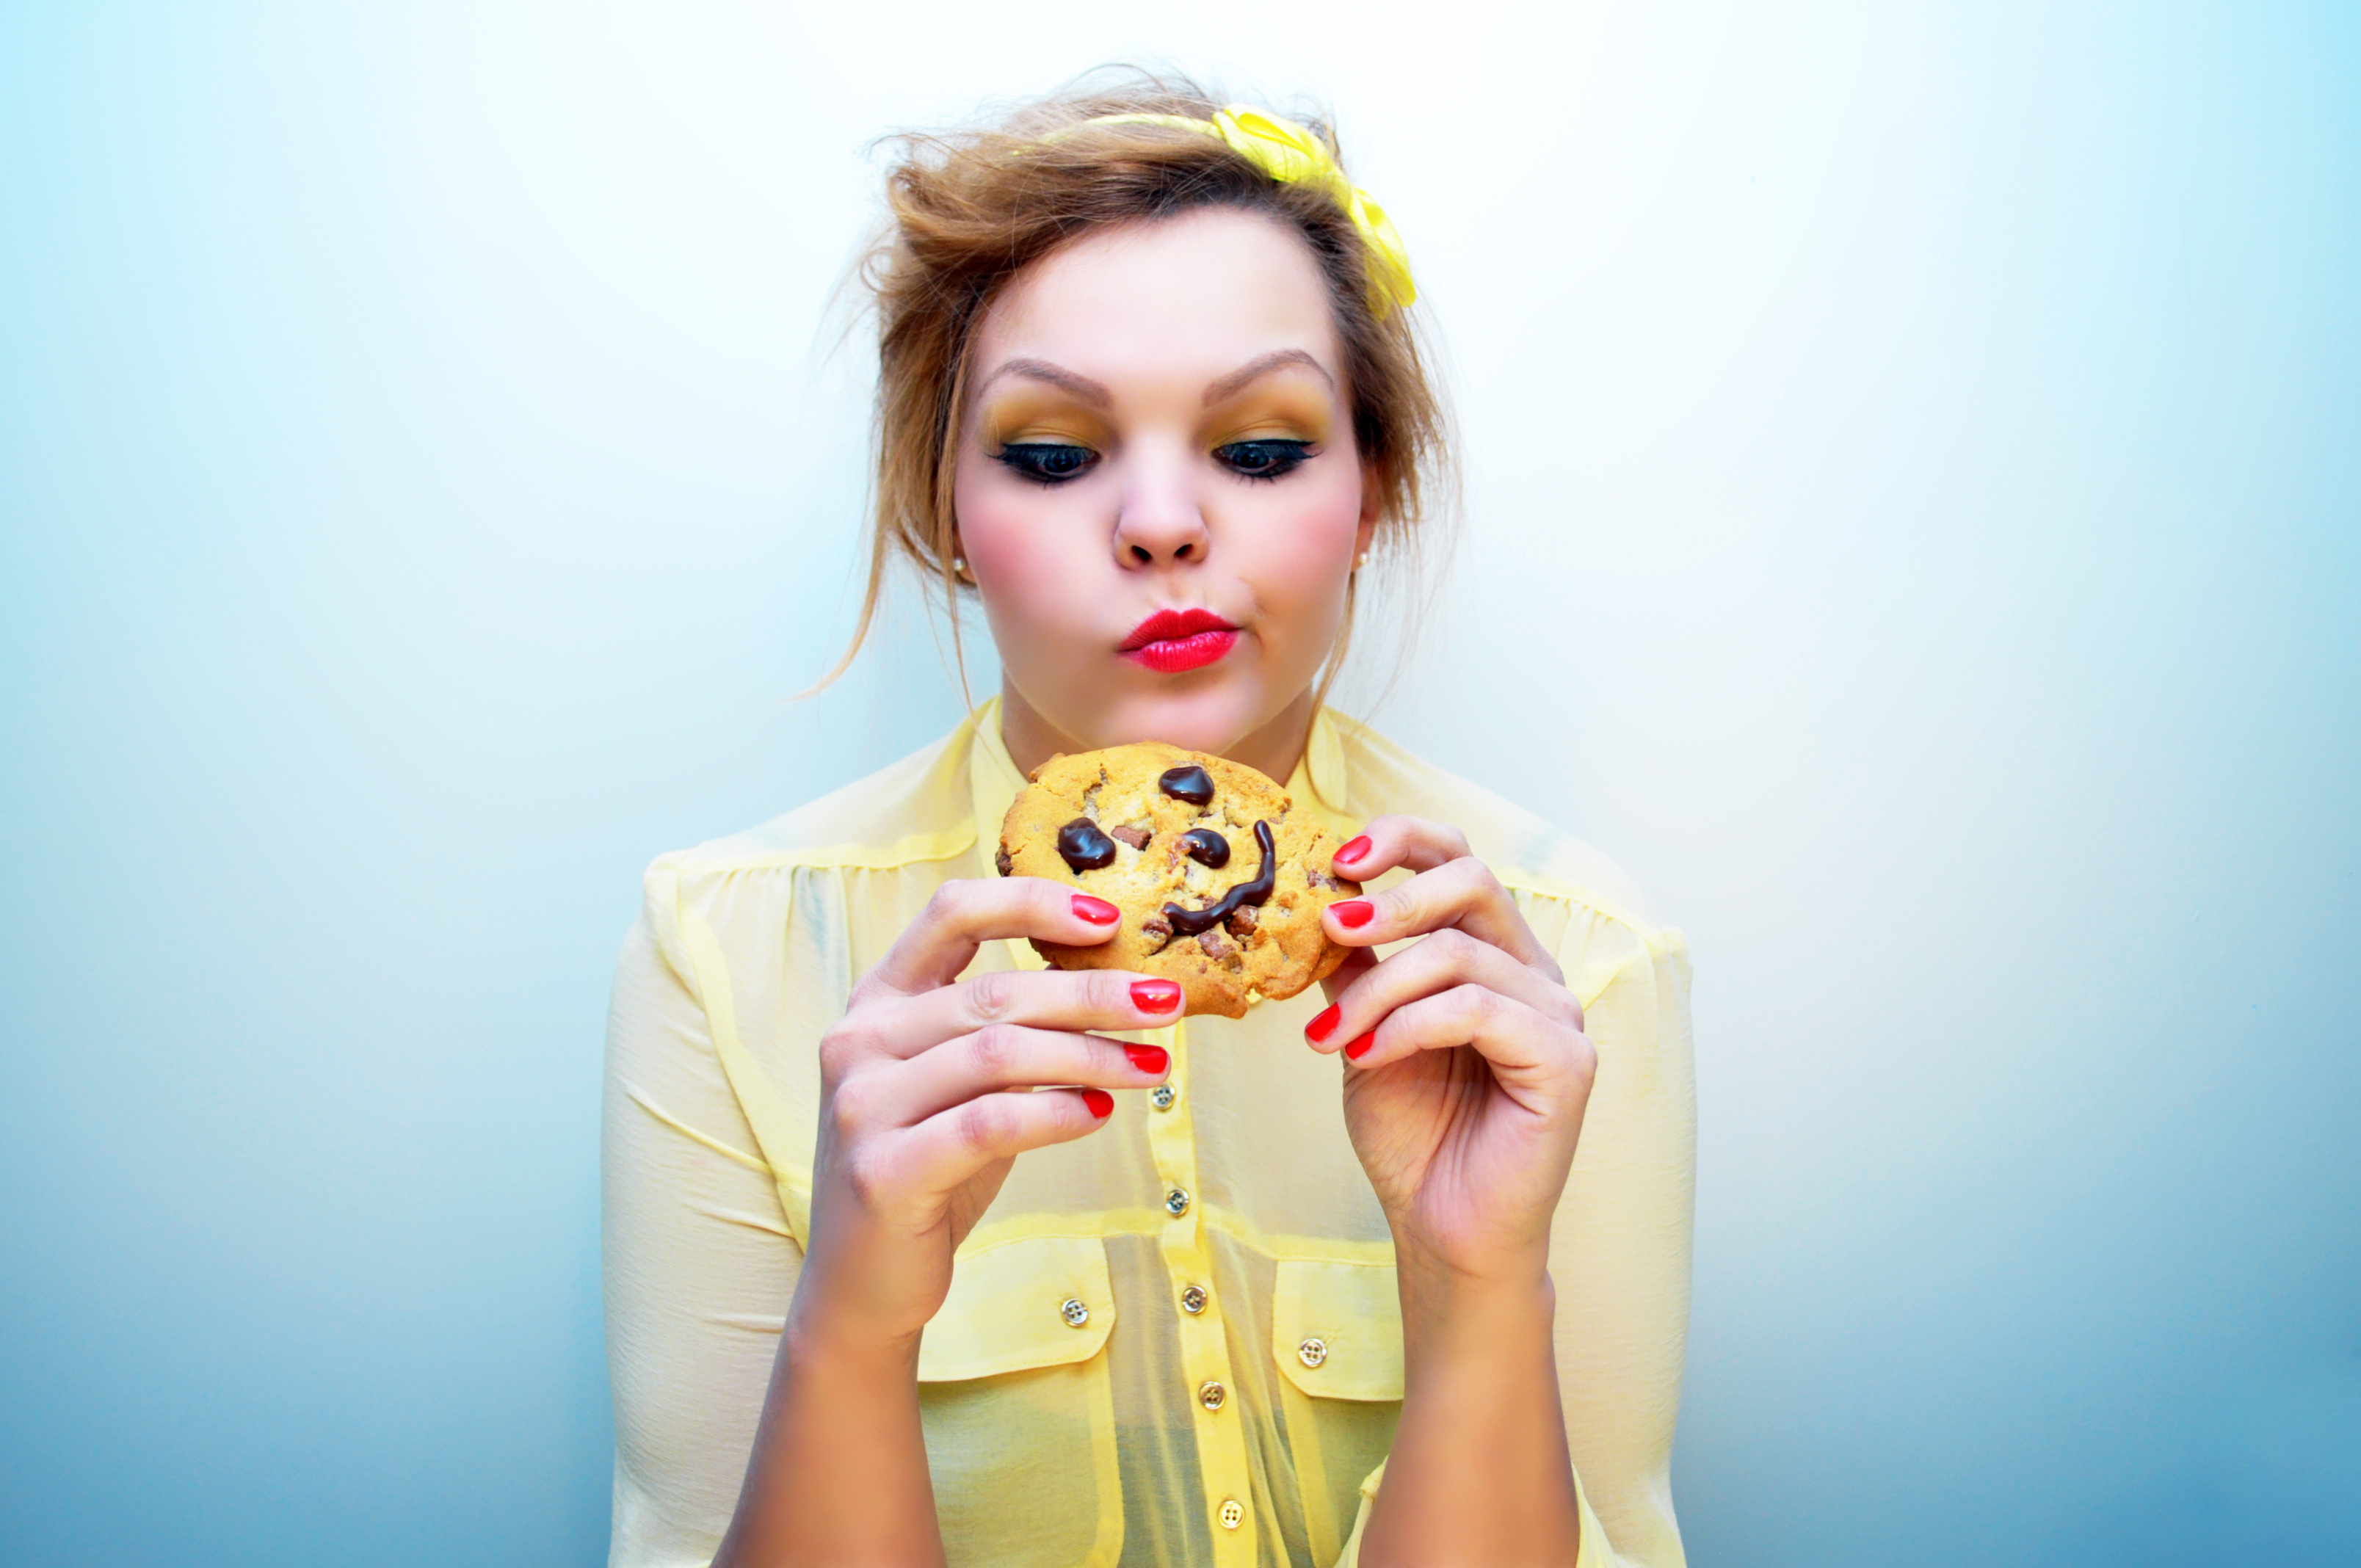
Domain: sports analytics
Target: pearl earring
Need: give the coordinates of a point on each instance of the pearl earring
(1361, 560)
(959, 568)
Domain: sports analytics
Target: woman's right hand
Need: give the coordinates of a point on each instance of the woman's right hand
(927, 1095)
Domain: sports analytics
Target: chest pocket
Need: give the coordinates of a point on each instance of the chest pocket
(1336, 1334)
(1020, 1409)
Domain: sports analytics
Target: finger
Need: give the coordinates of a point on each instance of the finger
(1428, 966)
(1461, 893)
(948, 1148)
(1392, 841)
(1008, 1056)
(1537, 1059)
(1046, 999)
(965, 914)
(1358, 962)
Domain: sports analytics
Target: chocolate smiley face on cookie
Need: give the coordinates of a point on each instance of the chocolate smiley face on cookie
(1220, 877)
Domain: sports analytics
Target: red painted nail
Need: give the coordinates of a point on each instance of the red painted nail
(1155, 995)
(1351, 913)
(1355, 850)
(1319, 1028)
(1149, 1058)
(1097, 911)
(1101, 1103)
(1360, 1047)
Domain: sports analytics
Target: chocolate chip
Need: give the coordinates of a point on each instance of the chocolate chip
(1084, 847)
(1243, 920)
(1130, 833)
(1205, 846)
(1000, 860)
(1187, 782)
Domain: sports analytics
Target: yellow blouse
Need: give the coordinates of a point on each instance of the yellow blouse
(1177, 1340)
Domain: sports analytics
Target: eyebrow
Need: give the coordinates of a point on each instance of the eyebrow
(1096, 394)
(1092, 392)
(1255, 369)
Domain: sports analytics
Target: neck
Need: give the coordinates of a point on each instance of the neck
(1273, 749)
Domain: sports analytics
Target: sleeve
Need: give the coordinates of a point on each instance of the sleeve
(700, 1265)
(1620, 1248)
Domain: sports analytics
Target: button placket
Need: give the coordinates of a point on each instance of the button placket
(1204, 1352)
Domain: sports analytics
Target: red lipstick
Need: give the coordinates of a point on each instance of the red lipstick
(1172, 640)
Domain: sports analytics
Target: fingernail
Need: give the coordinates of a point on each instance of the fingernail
(1351, 913)
(1147, 1059)
(1360, 1047)
(1101, 1103)
(1319, 1028)
(1354, 850)
(1154, 995)
(1097, 911)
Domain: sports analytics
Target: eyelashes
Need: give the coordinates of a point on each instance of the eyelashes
(1263, 460)
(1048, 463)
(1055, 462)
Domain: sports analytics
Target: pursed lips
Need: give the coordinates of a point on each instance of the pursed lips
(1172, 640)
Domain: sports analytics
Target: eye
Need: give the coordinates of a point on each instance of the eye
(1262, 459)
(1049, 463)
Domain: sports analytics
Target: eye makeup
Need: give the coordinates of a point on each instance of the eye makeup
(1047, 462)
(1049, 435)
(1042, 436)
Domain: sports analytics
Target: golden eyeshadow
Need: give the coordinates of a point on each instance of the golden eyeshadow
(1266, 427)
(1032, 418)
(1272, 410)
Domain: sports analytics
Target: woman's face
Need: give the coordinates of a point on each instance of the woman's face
(1158, 491)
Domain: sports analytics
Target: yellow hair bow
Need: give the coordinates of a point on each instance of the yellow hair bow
(1292, 155)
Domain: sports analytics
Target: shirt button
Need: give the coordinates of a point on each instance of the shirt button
(1193, 1300)
(1313, 1352)
(1234, 1513)
(1176, 1203)
(1162, 1096)
(1074, 1312)
(1212, 1394)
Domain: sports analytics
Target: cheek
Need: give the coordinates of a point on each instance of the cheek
(1306, 549)
(1018, 546)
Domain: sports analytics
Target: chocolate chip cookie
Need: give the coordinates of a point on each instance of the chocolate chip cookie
(1220, 878)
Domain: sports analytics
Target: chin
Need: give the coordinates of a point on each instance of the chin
(1213, 720)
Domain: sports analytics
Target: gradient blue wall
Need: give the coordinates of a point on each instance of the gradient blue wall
(1921, 439)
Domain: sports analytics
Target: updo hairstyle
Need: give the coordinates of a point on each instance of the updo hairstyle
(969, 210)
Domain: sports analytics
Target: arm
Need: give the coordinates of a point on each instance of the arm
(1619, 1245)
(1467, 1076)
(928, 1094)
(698, 1260)
(1478, 1472)
(1619, 1251)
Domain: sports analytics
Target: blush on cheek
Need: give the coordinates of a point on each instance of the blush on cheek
(1039, 581)
(1309, 554)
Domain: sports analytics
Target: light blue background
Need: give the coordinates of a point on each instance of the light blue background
(1914, 524)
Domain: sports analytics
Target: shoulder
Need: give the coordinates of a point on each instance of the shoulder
(1523, 851)
(910, 811)
(1579, 904)
(731, 904)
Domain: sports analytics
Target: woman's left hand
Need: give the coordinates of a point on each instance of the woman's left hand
(1468, 1070)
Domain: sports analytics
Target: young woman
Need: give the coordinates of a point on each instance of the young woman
(917, 1251)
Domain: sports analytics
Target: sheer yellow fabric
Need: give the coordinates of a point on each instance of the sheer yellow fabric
(1067, 1386)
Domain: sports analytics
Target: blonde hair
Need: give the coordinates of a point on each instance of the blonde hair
(968, 210)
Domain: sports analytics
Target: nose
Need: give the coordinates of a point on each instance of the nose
(1158, 520)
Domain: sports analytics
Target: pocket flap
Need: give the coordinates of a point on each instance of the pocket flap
(1335, 1329)
(1007, 1309)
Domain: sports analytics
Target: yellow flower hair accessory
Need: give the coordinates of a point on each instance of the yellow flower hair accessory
(1291, 155)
